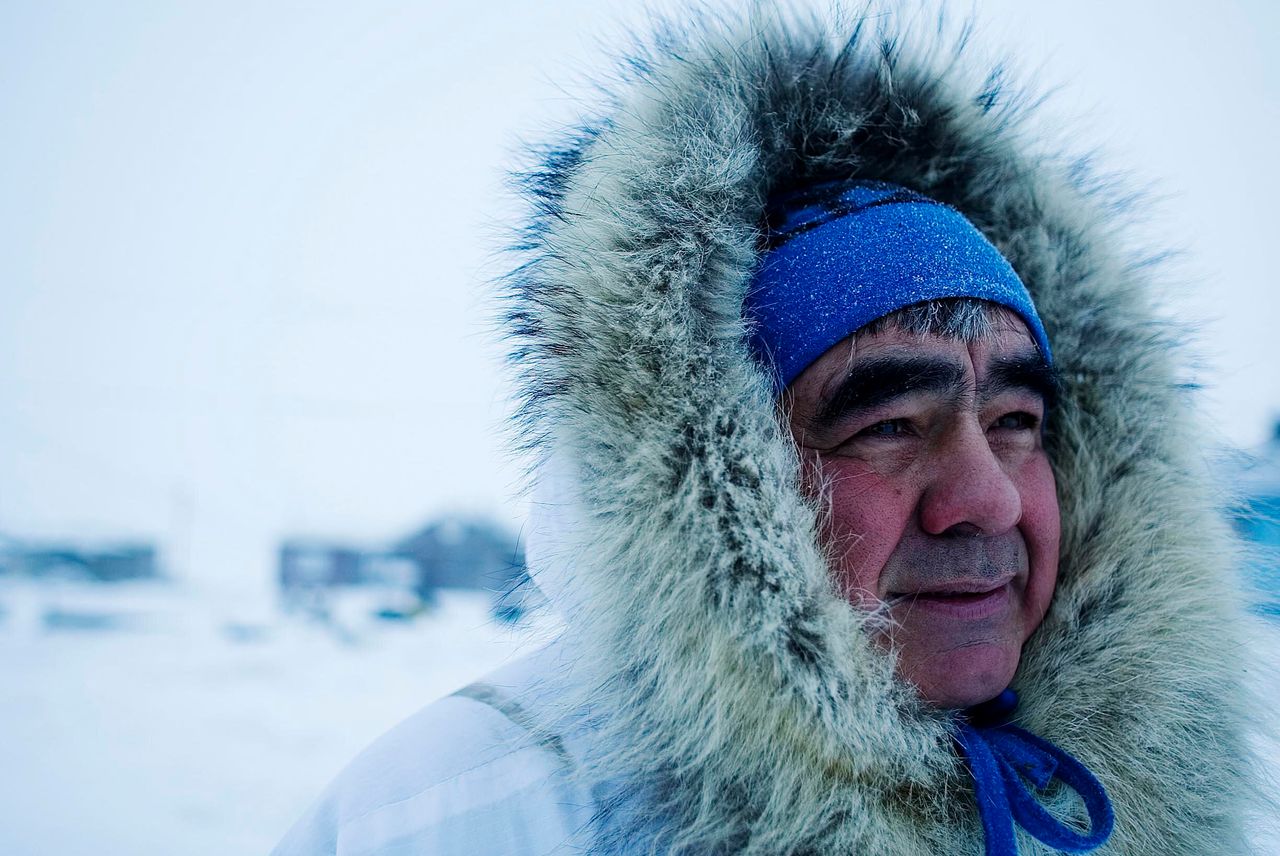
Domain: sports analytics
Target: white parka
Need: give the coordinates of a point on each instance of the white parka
(713, 694)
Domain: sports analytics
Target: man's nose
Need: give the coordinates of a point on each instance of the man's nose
(968, 490)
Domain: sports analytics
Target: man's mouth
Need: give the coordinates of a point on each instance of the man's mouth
(961, 600)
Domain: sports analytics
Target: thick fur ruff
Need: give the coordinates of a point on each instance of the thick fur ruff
(738, 695)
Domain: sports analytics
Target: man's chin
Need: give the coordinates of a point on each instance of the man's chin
(962, 676)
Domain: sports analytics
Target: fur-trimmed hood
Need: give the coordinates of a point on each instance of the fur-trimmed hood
(737, 697)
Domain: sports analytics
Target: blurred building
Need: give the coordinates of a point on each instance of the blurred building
(460, 552)
(308, 563)
(465, 552)
(99, 562)
(454, 552)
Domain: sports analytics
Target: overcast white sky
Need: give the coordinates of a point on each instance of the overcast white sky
(244, 246)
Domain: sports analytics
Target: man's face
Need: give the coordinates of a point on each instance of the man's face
(942, 502)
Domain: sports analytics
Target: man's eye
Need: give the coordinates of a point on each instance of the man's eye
(1018, 421)
(887, 428)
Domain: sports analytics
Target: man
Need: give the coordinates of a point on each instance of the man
(851, 561)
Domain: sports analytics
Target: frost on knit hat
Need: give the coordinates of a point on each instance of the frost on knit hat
(842, 254)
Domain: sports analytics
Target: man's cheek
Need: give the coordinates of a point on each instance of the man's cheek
(863, 520)
(1041, 530)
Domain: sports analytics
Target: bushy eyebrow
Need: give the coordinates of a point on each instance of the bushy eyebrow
(1027, 371)
(880, 380)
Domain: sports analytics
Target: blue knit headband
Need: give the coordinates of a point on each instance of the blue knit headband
(843, 254)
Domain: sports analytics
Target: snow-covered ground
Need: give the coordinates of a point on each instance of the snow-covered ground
(142, 720)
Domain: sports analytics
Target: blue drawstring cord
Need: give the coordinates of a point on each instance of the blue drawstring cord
(1002, 758)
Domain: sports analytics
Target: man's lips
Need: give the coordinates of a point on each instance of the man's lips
(964, 600)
